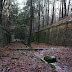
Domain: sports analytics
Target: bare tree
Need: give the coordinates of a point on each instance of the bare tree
(53, 13)
(68, 8)
(48, 13)
(62, 8)
(65, 7)
(60, 12)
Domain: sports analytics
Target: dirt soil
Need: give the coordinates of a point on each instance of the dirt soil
(29, 61)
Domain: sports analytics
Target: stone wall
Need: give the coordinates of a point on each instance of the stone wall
(60, 34)
(4, 37)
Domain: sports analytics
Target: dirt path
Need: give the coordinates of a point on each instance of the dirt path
(28, 61)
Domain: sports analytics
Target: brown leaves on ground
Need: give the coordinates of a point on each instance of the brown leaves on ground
(29, 60)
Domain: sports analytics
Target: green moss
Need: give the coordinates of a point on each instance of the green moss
(50, 59)
(15, 58)
(42, 59)
(52, 65)
(28, 46)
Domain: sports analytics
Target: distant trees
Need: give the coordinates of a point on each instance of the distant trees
(36, 14)
(42, 13)
(64, 9)
(10, 13)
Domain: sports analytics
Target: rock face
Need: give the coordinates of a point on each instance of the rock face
(50, 59)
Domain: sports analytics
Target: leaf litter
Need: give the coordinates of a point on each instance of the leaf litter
(29, 61)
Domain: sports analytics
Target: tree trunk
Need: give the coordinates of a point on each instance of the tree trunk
(48, 13)
(68, 8)
(60, 12)
(65, 7)
(53, 13)
(38, 20)
(33, 27)
(43, 18)
(30, 30)
(1, 7)
(0, 12)
(62, 8)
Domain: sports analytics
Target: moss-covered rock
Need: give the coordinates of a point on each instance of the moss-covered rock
(50, 59)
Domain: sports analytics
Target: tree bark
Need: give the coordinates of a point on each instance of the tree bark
(9, 17)
(1, 8)
(60, 12)
(53, 13)
(30, 30)
(1, 12)
(38, 20)
(65, 7)
(68, 8)
(62, 8)
(43, 18)
(48, 13)
(33, 26)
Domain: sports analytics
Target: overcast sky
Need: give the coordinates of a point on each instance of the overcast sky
(21, 3)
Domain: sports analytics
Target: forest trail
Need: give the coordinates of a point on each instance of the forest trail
(29, 60)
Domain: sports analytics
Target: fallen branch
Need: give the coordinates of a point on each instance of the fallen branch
(34, 48)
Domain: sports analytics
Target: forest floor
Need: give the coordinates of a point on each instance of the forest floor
(29, 60)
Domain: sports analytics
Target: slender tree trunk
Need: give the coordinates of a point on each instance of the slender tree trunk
(48, 13)
(38, 20)
(33, 31)
(60, 12)
(43, 16)
(43, 19)
(65, 7)
(62, 8)
(53, 13)
(68, 8)
(9, 22)
(30, 31)
(1, 7)
(0, 12)
(33, 27)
